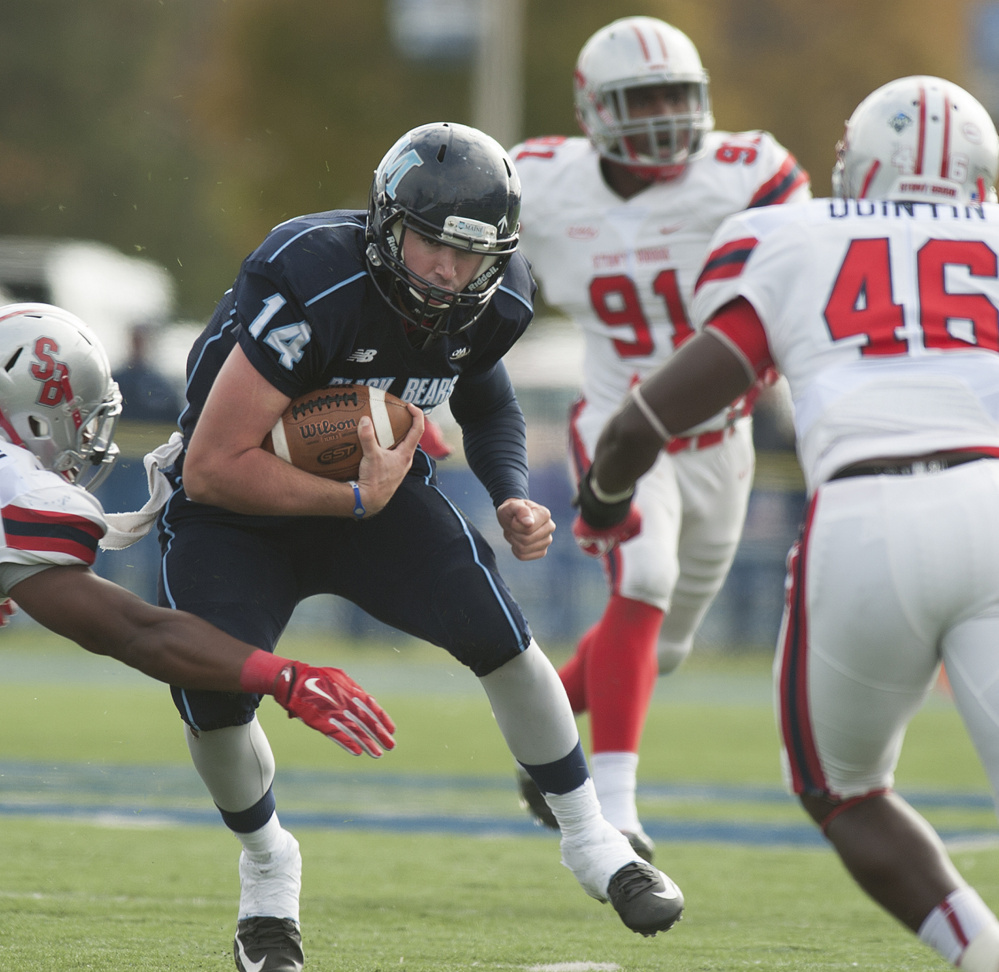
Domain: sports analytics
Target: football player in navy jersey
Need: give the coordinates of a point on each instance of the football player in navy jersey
(421, 295)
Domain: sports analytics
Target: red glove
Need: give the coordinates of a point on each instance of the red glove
(7, 610)
(600, 542)
(327, 699)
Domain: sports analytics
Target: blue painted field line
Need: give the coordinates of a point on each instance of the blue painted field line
(174, 796)
(136, 816)
(148, 780)
(716, 831)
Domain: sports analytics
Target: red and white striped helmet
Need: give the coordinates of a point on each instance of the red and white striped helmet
(918, 139)
(638, 52)
(57, 396)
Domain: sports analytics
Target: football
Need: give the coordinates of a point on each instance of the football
(318, 431)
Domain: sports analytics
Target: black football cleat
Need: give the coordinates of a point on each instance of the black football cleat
(641, 844)
(268, 945)
(646, 900)
(533, 801)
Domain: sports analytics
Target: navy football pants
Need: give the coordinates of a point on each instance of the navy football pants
(419, 566)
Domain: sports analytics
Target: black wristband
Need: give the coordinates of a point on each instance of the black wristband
(596, 513)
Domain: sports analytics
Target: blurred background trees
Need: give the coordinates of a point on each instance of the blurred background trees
(182, 130)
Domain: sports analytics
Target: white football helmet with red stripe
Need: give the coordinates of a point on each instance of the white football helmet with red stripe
(642, 52)
(57, 397)
(918, 139)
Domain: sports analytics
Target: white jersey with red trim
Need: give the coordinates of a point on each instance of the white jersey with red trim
(624, 269)
(882, 316)
(44, 519)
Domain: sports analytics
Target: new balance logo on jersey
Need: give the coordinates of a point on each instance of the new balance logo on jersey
(363, 355)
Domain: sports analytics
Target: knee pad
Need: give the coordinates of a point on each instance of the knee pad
(531, 708)
(671, 654)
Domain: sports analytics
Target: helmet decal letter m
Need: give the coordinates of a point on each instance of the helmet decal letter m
(397, 168)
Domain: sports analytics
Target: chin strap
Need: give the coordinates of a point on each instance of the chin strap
(67, 390)
(8, 429)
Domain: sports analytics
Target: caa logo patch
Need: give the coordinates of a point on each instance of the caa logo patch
(900, 122)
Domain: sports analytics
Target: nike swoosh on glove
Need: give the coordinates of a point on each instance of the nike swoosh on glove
(330, 701)
(598, 542)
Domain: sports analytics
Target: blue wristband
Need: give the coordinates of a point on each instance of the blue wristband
(359, 509)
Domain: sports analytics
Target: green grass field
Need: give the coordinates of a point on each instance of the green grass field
(450, 879)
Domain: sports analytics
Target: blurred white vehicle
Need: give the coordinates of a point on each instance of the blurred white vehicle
(109, 290)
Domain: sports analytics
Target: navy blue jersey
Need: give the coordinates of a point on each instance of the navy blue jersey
(307, 315)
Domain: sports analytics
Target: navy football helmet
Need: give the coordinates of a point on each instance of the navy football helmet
(453, 184)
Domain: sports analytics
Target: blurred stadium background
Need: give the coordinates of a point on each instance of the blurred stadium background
(146, 147)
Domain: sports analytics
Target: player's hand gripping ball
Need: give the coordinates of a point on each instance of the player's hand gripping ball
(318, 431)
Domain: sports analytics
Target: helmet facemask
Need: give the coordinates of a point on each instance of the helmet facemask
(88, 462)
(425, 305)
(657, 146)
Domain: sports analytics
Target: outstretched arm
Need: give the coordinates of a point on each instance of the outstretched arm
(182, 649)
(700, 380)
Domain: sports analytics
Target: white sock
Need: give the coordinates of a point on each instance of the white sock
(959, 919)
(261, 844)
(577, 811)
(982, 955)
(593, 849)
(615, 780)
